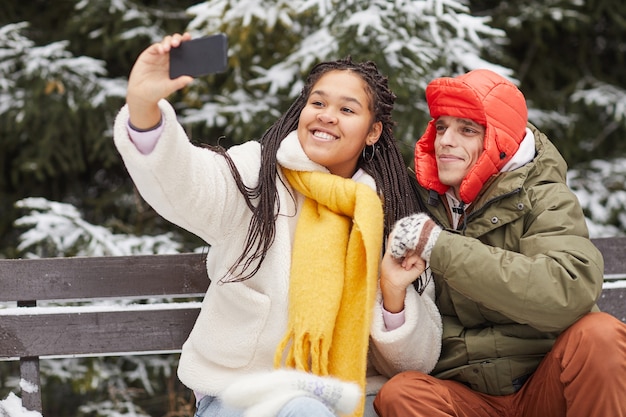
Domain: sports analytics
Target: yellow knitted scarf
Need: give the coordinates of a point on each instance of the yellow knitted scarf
(334, 271)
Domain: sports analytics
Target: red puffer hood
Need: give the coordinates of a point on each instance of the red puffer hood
(488, 99)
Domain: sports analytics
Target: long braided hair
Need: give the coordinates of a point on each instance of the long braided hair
(383, 162)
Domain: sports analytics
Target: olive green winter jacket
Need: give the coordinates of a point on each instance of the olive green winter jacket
(518, 271)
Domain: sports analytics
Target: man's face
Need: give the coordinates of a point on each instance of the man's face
(458, 144)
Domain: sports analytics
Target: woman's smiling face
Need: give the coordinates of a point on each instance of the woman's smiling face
(337, 122)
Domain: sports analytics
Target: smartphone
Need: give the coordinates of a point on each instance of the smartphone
(200, 56)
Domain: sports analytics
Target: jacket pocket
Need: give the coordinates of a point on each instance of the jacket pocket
(230, 324)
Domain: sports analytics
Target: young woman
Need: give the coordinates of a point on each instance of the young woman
(295, 222)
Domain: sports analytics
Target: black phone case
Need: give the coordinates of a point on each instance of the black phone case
(201, 56)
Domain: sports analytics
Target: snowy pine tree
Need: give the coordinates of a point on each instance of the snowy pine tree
(274, 44)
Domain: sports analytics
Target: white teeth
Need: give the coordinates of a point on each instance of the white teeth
(323, 135)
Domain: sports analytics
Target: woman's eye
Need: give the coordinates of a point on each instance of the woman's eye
(347, 110)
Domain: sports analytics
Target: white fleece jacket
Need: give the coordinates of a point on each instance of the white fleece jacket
(240, 324)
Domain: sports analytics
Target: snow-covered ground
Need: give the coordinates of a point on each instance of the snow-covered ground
(12, 407)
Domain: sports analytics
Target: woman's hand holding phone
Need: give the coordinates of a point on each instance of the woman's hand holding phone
(149, 81)
(167, 66)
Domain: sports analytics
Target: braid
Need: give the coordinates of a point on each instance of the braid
(386, 166)
(263, 223)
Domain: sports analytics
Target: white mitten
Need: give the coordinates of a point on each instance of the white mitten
(416, 232)
(264, 394)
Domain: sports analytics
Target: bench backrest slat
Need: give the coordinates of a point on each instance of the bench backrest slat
(614, 252)
(613, 298)
(613, 301)
(99, 277)
(96, 333)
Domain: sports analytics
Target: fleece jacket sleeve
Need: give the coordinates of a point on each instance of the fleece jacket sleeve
(416, 344)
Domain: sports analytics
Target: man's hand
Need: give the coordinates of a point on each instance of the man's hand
(414, 235)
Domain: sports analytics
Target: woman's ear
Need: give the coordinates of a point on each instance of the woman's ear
(374, 134)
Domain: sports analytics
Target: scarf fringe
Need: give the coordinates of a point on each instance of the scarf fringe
(305, 353)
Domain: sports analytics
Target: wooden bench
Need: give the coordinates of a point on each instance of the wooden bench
(613, 297)
(32, 328)
(29, 330)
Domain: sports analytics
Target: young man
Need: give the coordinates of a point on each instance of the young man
(515, 273)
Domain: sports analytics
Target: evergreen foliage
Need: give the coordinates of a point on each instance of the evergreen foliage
(569, 57)
(62, 80)
(273, 47)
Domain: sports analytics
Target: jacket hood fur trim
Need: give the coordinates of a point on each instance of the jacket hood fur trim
(488, 99)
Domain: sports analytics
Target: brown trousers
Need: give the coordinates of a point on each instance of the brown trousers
(584, 375)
